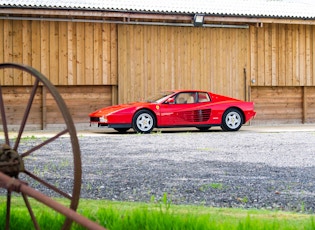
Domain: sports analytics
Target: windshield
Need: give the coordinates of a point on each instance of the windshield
(160, 97)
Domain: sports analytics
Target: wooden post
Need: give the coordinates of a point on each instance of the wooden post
(44, 108)
(114, 95)
(246, 85)
(304, 101)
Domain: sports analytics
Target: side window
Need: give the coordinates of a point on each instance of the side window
(203, 97)
(185, 98)
(181, 98)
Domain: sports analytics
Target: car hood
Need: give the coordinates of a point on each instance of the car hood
(116, 108)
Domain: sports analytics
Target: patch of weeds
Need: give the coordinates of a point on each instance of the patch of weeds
(243, 199)
(205, 187)
(88, 186)
(30, 137)
(65, 163)
(27, 138)
(303, 206)
(158, 132)
(44, 138)
(163, 202)
(216, 185)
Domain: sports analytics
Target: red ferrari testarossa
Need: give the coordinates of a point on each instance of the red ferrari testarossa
(178, 108)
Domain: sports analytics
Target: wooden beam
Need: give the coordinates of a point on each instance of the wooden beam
(94, 13)
(117, 15)
(259, 20)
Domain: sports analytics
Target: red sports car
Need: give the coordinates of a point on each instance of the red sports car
(179, 108)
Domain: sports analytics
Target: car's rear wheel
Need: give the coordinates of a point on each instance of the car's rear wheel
(143, 121)
(232, 120)
(122, 130)
(203, 128)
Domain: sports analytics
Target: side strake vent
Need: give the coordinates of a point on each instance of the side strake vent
(196, 115)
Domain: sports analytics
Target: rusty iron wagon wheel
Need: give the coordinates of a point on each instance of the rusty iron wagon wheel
(15, 150)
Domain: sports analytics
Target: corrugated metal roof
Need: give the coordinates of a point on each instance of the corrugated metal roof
(258, 8)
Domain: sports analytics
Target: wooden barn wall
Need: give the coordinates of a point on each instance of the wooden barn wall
(156, 58)
(45, 113)
(104, 62)
(67, 53)
(282, 55)
(282, 72)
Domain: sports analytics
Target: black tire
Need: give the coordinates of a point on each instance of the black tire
(143, 121)
(122, 130)
(203, 128)
(232, 120)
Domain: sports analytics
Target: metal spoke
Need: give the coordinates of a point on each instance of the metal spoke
(4, 119)
(7, 222)
(52, 187)
(30, 210)
(26, 113)
(44, 143)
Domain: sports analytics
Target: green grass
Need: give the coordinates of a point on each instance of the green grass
(157, 215)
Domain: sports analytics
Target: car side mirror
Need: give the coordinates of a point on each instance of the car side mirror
(170, 101)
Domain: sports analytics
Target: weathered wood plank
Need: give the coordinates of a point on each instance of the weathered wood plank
(63, 54)
(35, 44)
(26, 50)
(80, 53)
(295, 49)
(45, 45)
(89, 54)
(17, 49)
(282, 56)
(71, 54)
(54, 52)
(112, 63)
(308, 56)
(274, 55)
(302, 56)
(8, 52)
(97, 53)
(289, 55)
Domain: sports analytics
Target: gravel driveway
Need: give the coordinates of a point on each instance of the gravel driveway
(251, 168)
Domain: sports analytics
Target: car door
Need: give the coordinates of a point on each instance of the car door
(185, 109)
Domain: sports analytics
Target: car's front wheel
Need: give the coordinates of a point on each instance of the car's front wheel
(232, 120)
(143, 121)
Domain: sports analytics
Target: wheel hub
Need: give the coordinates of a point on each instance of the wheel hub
(144, 122)
(11, 163)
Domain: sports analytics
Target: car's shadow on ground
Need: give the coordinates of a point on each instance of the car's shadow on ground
(159, 131)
